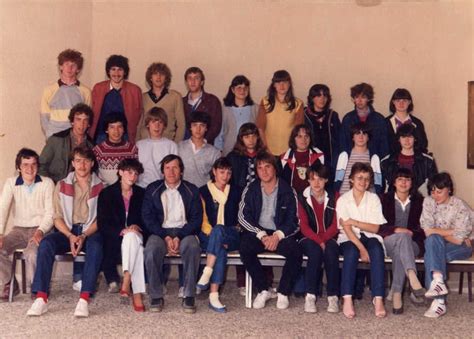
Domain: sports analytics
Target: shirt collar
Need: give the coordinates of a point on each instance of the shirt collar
(61, 83)
(194, 101)
(403, 204)
(274, 188)
(172, 188)
(111, 144)
(19, 181)
(153, 96)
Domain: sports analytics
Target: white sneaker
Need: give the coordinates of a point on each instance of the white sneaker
(333, 304)
(261, 299)
(113, 287)
(282, 302)
(437, 288)
(437, 309)
(77, 286)
(82, 309)
(181, 292)
(310, 303)
(38, 308)
(242, 291)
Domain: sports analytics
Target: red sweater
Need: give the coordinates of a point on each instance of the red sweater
(132, 103)
(324, 234)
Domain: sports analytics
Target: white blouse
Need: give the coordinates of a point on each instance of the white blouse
(369, 210)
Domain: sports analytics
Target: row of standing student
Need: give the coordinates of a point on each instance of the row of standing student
(276, 114)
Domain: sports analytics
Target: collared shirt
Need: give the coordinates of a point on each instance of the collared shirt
(194, 148)
(173, 208)
(80, 207)
(153, 96)
(269, 202)
(403, 204)
(369, 210)
(61, 83)
(399, 123)
(195, 102)
(29, 188)
(453, 214)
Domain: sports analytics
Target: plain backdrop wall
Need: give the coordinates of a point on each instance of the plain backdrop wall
(425, 46)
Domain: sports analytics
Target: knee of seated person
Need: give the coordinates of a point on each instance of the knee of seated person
(217, 232)
(433, 239)
(46, 245)
(131, 237)
(190, 244)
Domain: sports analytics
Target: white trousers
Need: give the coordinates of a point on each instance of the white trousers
(132, 260)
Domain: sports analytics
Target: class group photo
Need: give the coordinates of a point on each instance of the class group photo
(236, 169)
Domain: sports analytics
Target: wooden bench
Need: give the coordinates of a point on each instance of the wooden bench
(266, 259)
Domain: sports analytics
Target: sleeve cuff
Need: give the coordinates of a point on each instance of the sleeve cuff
(280, 234)
(261, 234)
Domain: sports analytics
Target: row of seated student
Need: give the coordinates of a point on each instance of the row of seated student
(125, 223)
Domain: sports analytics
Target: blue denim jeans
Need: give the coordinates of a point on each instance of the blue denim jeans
(56, 244)
(438, 252)
(316, 258)
(220, 236)
(349, 268)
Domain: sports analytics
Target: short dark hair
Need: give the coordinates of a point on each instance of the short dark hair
(130, 164)
(84, 152)
(360, 127)
(406, 130)
(169, 158)
(317, 90)
(247, 129)
(199, 116)
(229, 99)
(114, 117)
(401, 93)
(294, 133)
(221, 163)
(25, 153)
(440, 181)
(402, 172)
(156, 113)
(158, 67)
(117, 61)
(194, 69)
(363, 167)
(318, 169)
(81, 108)
(268, 158)
(71, 55)
(363, 89)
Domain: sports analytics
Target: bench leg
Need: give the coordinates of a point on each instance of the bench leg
(469, 286)
(12, 279)
(461, 281)
(23, 275)
(248, 290)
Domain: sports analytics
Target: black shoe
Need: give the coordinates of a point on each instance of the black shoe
(397, 310)
(188, 305)
(417, 301)
(156, 305)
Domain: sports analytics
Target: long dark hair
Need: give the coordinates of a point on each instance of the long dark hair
(246, 129)
(294, 133)
(229, 99)
(279, 76)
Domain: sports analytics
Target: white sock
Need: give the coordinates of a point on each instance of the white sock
(438, 276)
(214, 300)
(206, 276)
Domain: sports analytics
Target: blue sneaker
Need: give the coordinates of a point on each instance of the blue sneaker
(218, 309)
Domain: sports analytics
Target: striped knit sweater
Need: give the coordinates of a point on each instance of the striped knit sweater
(109, 155)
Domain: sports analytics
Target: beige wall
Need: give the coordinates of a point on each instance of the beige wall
(425, 46)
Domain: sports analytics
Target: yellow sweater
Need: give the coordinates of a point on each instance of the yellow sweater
(279, 124)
